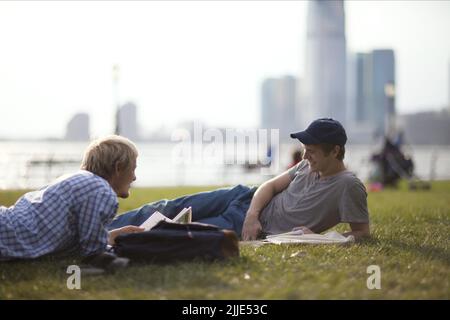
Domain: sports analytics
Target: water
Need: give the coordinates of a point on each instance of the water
(169, 164)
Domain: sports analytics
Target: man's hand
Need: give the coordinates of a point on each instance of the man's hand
(359, 231)
(127, 229)
(252, 227)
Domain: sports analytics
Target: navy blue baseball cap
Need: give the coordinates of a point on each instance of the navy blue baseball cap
(325, 130)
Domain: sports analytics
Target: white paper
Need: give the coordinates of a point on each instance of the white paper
(185, 216)
(290, 237)
(153, 220)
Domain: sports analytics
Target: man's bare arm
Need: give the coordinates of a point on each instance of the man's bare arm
(265, 193)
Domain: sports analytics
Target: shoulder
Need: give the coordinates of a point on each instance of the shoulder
(351, 183)
(303, 166)
(300, 168)
(298, 171)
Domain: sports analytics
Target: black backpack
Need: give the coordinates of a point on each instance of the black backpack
(170, 242)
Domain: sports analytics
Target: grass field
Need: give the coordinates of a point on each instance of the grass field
(410, 244)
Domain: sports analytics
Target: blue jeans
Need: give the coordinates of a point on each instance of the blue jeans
(225, 208)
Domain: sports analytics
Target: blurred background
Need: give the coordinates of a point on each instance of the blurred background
(148, 70)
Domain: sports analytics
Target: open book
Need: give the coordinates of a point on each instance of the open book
(184, 216)
(297, 236)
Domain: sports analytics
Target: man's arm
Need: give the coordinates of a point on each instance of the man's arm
(91, 214)
(353, 210)
(359, 230)
(252, 227)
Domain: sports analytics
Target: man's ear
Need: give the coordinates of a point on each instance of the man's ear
(336, 150)
(117, 168)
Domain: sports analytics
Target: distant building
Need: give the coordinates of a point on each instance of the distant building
(431, 127)
(127, 121)
(324, 89)
(448, 83)
(380, 88)
(362, 111)
(279, 105)
(78, 128)
(371, 94)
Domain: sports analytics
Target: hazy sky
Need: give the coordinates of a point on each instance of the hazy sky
(182, 60)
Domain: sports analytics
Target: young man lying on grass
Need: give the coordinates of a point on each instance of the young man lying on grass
(316, 194)
(70, 215)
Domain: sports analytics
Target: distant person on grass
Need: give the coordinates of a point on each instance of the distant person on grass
(315, 195)
(70, 215)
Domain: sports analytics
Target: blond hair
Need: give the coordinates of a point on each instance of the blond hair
(102, 155)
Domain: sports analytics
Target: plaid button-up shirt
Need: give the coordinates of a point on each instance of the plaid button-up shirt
(69, 215)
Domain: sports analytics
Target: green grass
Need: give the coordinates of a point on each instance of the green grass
(410, 243)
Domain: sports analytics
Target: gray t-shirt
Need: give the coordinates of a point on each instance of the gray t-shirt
(316, 204)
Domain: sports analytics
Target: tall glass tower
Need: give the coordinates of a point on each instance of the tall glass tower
(324, 89)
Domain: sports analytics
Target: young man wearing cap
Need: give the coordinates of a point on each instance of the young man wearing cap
(316, 195)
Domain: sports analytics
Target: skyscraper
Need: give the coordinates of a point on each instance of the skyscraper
(279, 105)
(324, 92)
(78, 128)
(372, 98)
(362, 113)
(127, 121)
(379, 86)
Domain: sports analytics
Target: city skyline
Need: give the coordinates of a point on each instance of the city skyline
(192, 60)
